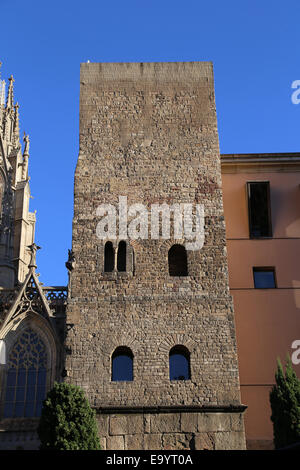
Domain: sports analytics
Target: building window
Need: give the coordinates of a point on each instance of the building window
(264, 278)
(122, 364)
(177, 259)
(26, 377)
(179, 362)
(109, 257)
(121, 259)
(259, 209)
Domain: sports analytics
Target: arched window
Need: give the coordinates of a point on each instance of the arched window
(122, 364)
(177, 259)
(26, 377)
(179, 362)
(109, 257)
(121, 259)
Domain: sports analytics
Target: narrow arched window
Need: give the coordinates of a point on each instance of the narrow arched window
(109, 257)
(177, 259)
(179, 362)
(26, 377)
(122, 364)
(121, 259)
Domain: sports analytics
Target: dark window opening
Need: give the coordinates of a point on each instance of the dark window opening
(264, 278)
(109, 257)
(259, 209)
(26, 377)
(121, 260)
(122, 364)
(177, 259)
(179, 363)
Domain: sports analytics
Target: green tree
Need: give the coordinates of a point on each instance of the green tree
(67, 421)
(285, 406)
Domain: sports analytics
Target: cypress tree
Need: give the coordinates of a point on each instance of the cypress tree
(67, 421)
(285, 406)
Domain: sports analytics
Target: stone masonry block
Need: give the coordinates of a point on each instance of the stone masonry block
(165, 422)
(115, 443)
(230, 440)
(153, 441)
(213, 422)
(189, 422)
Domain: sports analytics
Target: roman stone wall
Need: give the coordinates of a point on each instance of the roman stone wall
(171, 431)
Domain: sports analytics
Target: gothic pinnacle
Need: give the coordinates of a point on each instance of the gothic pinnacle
(16, 135)
(26, 147)
(10, 94)
(25, 157)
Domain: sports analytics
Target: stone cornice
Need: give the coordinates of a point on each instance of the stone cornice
(171, 409)
(260, 162)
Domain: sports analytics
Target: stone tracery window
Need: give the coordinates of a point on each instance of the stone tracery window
(26, 376)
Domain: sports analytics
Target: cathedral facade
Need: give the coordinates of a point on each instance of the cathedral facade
(146, 326)
(32, 316)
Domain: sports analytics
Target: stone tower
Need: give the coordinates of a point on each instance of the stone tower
(149, 142)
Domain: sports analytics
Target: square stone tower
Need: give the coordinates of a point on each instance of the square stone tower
(151, 335)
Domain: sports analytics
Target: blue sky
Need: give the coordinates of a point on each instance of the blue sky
(254, 46)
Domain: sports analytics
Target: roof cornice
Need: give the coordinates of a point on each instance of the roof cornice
(249, 162)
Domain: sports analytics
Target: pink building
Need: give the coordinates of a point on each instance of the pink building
(261, 196)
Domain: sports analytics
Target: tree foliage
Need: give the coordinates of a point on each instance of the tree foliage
(285, 406)
(67, 421)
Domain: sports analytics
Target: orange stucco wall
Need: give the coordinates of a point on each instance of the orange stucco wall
(267, 320)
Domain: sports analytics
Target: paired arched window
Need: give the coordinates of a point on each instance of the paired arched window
(109, 257)
(177, 259)
(122, 364)
(179, 363)
(121, 257)
(26, 377)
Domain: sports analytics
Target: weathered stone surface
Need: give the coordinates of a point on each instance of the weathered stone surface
(118, 425)
(134, 441)
(115, 443)
(128, 424)
(230, 440)
(214, 422)
(102, 423)
(103, 442)
(165, 422)
(237, 422)
(147, 423)
(153, 442)
(189, 422)
(204, 441)
(177, 441)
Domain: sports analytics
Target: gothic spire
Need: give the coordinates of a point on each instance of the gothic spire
(25, 156)
(10, 94)
(16, 134)
(2, 89)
